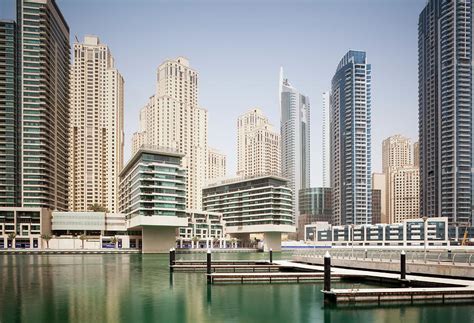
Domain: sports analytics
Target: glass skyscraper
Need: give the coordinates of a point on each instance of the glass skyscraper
(295, 139)
(445, 109)
(351, 140)
(34, 111)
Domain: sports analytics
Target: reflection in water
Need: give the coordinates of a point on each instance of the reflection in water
(139, 288)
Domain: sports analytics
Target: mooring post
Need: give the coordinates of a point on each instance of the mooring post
(403, 265)
(271, 256)
(209, 269)
(172, 258)
(327, 274)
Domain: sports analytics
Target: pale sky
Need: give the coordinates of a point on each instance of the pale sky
(238, 47)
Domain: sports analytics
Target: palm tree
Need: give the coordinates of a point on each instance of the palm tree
(83, 237)
(46, 237)
(114, 240)
(215, 241)
(97, 208)
(195, 240)
(12, 236)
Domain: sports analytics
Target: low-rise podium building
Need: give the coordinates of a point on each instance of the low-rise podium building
(261, 204)
(152, 196)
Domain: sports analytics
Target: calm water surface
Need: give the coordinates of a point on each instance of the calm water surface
(139, 288)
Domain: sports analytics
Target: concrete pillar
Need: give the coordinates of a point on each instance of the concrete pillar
(272, 240)
(158, 239)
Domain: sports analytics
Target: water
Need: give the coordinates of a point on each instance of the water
(139, 288)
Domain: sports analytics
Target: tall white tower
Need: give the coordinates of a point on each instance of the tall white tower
(258, 145)
(295, 139)
(96, 132)
(326, 141)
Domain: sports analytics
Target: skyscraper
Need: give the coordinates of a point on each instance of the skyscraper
(326, 140)
(10, 125)
(402, 179)
(216, 164)
(445, 109)
(43, 59)
(258, 145)
(351, 140)
(174, 120)
(397, 151)
(295, 139)
(96, 133)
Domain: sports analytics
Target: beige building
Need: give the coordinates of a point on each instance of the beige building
(404, 193)
(397, 151)
(379, 183)
(216, 164)
(401, 179)
(96, 130)
(258, 145)
(172, 119)
(416, 154)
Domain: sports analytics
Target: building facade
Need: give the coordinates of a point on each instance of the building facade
(404, 193)
(258, 145)
(96, 132)
(397, 151)
(445, 109)
(295, 139)
(315, 205)
(174, 120)
(43, 59)
(152, 195)
(204, 230)
(216, 164)
(379, 183)
(376, 206)
(326, 140)
(351, 168)
(10, 188)
(261, 204)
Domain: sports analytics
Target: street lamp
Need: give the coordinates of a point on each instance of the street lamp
(425, 234)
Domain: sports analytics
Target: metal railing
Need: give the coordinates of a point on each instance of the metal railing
(430, 257)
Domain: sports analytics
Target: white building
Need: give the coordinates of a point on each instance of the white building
(295, 139)
(326, 140)
(258, 145)
(96, 132)
(216, 164)
(173, 119)
(404, 194)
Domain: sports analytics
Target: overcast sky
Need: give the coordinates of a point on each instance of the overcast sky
(238, 47)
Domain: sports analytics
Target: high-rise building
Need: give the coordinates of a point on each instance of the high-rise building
(379, 183)
(445, 109)
(416, 154)
(351, 140)
(401, 179)
(96, 133)
(326, 140)
(43, 113)
(258, 145)
(376, 206)
(10, 188)
(404, 193)
(173, 119)
(295, 139)
(397, 151)
(315, 206)
(216, 164)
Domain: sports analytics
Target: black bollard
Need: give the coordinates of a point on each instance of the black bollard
(271, 256)
(209, 269)
(327, 272)
(172, 258)
(403, 265)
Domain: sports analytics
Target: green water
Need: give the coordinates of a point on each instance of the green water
(139, 288)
